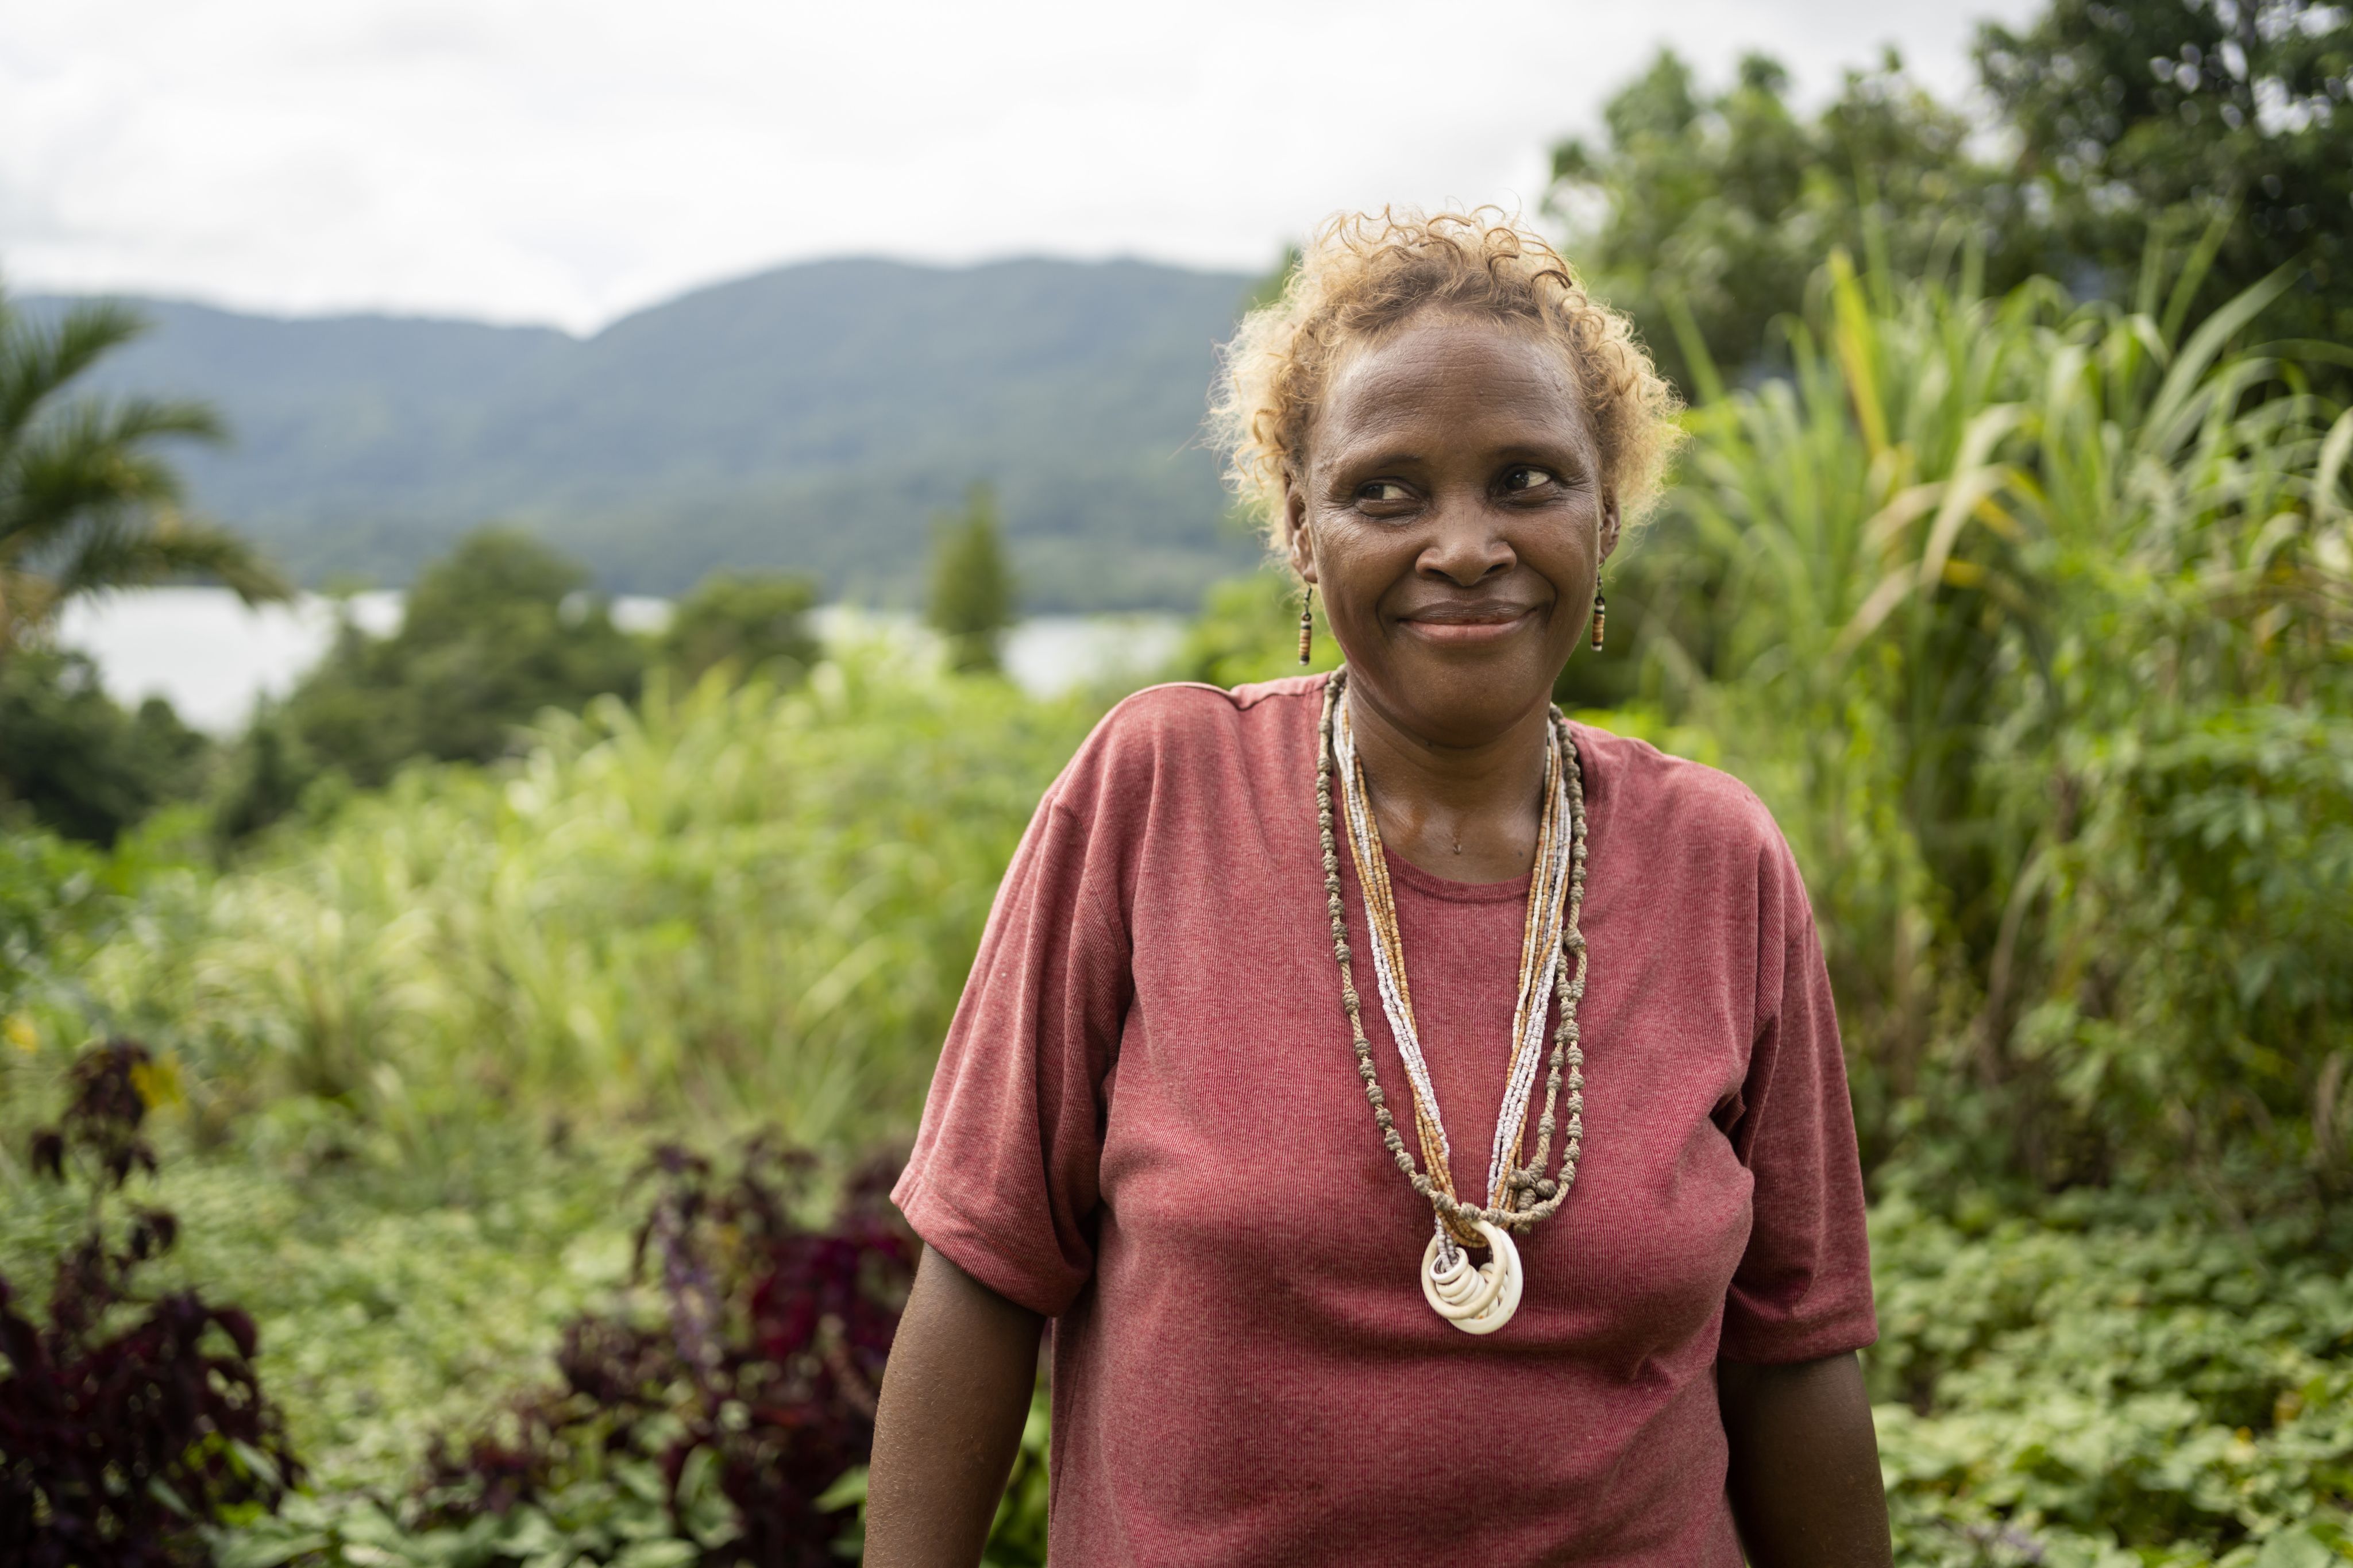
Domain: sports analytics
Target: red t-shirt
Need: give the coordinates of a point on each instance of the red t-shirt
(1147, 1124)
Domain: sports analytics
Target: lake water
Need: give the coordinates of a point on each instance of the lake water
(212, 657)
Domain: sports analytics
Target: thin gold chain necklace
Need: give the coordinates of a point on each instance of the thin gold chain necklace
(1476, 1299)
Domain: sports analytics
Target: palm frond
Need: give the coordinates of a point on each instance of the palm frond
(37, 362)
(93, 464)
(88, 503)
(113, 556)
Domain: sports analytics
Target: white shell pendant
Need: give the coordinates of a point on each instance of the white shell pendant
(1476, 1300)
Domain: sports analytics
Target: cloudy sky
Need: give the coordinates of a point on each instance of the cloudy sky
(522, 159)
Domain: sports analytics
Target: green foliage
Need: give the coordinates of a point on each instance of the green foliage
(2195, 966)
(394, 1303)
(492, 635)
(73, 761)
(87, 503)
(1707, 213)
(2126, 128)
(733, 897)
(2168, 116)
(382, 1292)
(751, 621)
(48, 889)
(2027, 617)
(2109, 1383)
(495, 632)
(972, 596)
(2050, 1386)
(61, 901)
(1248, 629)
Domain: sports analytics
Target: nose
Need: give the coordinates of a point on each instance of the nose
(1465, 547)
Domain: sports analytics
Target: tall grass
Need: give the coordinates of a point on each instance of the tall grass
(731, 901)
(2029, 617)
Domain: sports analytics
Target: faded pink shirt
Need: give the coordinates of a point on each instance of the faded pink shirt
(1147, 1124)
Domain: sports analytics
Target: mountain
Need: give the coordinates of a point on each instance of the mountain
(814, 417)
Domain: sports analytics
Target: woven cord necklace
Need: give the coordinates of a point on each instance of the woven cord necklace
(1477, 1299)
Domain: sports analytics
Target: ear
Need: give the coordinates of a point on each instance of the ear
(1608, 523)
(1294, 518)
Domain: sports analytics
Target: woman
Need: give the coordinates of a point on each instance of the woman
(1277, 971)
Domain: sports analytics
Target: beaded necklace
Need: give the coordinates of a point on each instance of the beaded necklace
(1482, 1298)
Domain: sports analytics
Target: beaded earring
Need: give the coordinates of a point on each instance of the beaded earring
(1306, 621)
(1600, 614)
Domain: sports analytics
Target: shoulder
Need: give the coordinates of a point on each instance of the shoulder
(1677, 809)
(1187, 710)
(1186, 733)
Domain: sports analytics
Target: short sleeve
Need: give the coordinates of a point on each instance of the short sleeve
(1803, 1286)
(1004, 1177)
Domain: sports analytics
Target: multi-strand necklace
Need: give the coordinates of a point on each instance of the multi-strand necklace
(1477, 1298)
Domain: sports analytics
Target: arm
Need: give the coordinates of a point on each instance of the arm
(955, 1393)
(1804, 1475)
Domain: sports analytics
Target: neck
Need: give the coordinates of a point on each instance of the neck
(1468, 813)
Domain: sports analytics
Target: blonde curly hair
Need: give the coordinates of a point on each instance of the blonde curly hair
(1364, 274)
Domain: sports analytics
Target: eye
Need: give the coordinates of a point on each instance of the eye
(1525, 477)
(1383, 492)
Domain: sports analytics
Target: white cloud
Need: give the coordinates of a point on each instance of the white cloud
(529, 161)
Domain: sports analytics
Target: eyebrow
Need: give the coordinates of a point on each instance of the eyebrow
(1539, 452)
(1385, 460)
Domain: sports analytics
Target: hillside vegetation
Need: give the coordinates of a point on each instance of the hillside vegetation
(814, 417)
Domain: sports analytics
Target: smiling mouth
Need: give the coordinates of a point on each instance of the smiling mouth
(1484, 624)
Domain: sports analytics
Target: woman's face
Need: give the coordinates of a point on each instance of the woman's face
(1449, 507)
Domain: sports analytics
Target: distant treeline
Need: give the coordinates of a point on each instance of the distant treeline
(492, 636)
(810, 419)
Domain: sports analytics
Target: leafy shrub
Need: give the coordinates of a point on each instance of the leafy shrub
(76, 761)
(490, 634)
(2027, 619)
(764, 1365)
(50, 893)
(708, 1413)
(121, 1445)
(2115, 1382)
(734, 899)
(2201, 944)
(751, 621)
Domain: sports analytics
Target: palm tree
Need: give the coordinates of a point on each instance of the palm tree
(87, 505)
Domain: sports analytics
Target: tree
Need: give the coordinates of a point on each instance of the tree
(2127, 132)
(1717, 209)
(751, 620)
(492, 635)
(86, 502)
(972, 586)
(2180, 115)
(77, 763)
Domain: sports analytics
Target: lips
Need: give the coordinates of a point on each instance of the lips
(1467, 623)
(1467, 614)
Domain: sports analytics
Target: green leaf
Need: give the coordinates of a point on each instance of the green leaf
(658, 1555)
